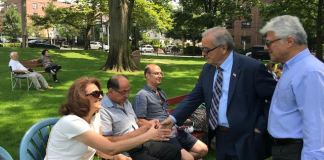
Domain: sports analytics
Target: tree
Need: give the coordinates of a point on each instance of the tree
(119, 15)
(24, 33)
(82, 16)
(198, 15)
(310, 13)
(146, 15)
(12, 22)
(47, 21)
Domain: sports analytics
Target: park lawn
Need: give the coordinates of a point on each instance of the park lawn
(20, 109)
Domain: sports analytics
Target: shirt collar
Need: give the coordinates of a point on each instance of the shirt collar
(227, 64)
(107, 103)
(296, 58)
(148, 88)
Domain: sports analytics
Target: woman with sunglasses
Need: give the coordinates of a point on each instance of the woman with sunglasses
(77, 134)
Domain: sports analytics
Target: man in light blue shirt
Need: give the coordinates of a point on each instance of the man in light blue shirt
(296, 117)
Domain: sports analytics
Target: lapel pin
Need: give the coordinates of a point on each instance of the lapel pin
(234, 75)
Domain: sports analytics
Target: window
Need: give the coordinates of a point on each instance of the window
(34, 5)
(245, 24)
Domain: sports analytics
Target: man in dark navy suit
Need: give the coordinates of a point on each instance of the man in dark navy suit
(235, 89)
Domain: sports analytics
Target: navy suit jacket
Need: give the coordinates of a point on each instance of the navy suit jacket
(251, 85)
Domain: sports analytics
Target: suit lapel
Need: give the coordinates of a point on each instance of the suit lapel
(210, 78)
(234, 77)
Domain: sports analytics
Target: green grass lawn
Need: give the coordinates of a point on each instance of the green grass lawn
(19, 109)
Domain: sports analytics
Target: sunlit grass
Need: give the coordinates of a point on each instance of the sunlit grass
(19, 109)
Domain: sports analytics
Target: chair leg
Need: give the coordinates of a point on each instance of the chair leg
(29, 84)
(19, 82)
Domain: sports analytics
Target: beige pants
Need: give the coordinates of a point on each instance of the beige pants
(38, 80)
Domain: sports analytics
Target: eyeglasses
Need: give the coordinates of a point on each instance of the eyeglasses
(157, 73)
(207, 50)
(124, 92)
(268, 43)
(95, 94)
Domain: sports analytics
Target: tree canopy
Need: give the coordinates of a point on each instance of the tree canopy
(197, 15)
(310, 13)
(12, 22)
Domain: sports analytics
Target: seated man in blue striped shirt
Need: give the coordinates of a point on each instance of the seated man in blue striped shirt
(150, 103)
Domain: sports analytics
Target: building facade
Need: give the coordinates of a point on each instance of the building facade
(33, 7)
(246, 33)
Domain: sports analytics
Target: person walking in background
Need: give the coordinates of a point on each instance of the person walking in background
(49, 65)
(235, 88)
(37, 79)
(150, 103)
(77, 135)
(296, 117)
(119, 122)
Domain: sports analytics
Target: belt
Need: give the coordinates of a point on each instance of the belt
(286, 141)
(222, 129)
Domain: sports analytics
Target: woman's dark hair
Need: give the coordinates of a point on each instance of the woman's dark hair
(77, 103)
(44, 51)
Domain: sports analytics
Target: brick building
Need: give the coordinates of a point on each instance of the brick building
(33, 7)
(246, 33)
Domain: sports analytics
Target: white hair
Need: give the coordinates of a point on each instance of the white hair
(221, 36)
(13, 53)
(284, 26)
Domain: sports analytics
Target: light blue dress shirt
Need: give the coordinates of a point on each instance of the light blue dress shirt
(297, 106)
(227, 69)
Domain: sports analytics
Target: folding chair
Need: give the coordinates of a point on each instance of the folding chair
(4, 155)
(33, 144)
(16, 78)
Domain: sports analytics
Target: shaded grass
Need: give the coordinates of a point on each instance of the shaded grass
(19, 109)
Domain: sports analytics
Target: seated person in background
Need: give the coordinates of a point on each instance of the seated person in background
(150, 103)
(37, 79)
(77, 134)
(119, 123)
(49, 66)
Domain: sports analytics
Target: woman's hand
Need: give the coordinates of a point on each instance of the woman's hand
(121, 157)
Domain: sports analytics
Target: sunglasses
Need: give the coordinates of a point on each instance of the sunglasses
(95, 94)
(207, 50)
(268, 43)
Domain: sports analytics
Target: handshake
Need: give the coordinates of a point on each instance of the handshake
(161, 131)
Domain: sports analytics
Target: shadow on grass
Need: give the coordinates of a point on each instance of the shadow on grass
(20, 108)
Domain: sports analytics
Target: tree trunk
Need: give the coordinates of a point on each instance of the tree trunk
(24, 35)
(319, 30)
(86, 37)
(119, 57)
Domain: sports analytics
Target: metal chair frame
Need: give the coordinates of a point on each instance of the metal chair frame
(16, 78)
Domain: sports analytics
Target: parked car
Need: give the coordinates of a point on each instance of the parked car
(97, 45)
(42, 45)
(146, 48)
(257, 52)
(171, 49)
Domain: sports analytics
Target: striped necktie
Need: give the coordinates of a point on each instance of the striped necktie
(217, 93)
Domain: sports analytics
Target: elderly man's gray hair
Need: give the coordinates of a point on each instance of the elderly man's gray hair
(284, 26)
(13, 53)
(221, 37)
